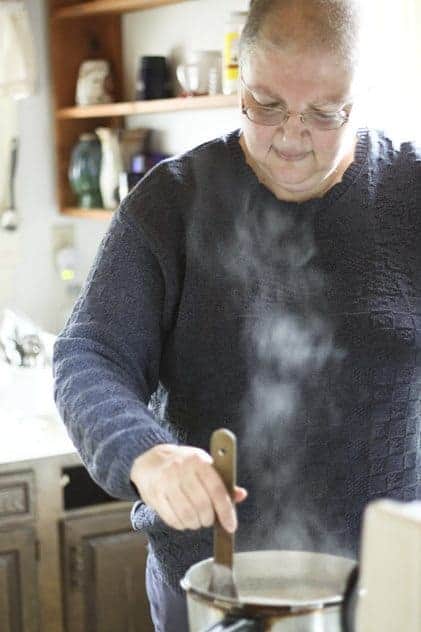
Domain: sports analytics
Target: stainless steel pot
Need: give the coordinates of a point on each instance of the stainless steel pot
(289, 591)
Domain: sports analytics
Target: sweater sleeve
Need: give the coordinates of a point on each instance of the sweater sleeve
(106, 359)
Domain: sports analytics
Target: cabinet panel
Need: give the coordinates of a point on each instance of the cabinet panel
(104, 571)
(17, 497)
(18, 582)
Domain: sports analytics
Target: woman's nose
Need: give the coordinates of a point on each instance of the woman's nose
(292, 129)
(295, 119)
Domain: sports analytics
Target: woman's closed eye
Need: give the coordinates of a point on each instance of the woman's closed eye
(321, 114)
(272, 105)
(264, 102)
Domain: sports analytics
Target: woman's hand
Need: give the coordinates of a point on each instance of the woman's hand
(181, 485)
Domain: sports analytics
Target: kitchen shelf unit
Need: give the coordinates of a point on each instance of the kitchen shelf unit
(96, 7)
(157, 106)
(89, 30)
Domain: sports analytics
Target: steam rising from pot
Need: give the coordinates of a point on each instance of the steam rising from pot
(292, 357)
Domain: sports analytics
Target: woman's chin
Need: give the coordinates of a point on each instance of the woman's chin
(294, 182)
(294, 188)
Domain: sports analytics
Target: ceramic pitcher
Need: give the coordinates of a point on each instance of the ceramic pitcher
(111, 166)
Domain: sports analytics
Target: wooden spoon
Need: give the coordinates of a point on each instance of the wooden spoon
(224, 452)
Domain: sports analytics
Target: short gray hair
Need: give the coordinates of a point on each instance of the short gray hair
(334, 25)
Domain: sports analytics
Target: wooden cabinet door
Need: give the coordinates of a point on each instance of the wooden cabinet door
(18, 581)
(104, 573)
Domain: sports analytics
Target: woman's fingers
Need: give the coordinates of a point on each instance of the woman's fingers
(220, 499)
(240, 494)
(183, 506)
(198, 496)
(182, 486)
(168, 514)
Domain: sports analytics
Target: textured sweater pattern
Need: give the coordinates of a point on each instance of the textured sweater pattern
(157, 347)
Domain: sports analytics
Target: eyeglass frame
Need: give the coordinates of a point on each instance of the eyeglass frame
(288, 113)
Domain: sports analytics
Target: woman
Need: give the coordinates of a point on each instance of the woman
(267, 282)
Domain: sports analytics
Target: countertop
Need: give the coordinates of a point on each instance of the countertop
(30, 426)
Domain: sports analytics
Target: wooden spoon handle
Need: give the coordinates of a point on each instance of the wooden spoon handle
(224, 453)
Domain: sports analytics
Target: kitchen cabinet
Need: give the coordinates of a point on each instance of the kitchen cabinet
(18, 581)
(69, 561)
(102, 562)
(86, 30)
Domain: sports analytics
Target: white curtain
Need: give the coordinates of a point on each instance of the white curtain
(17, 52)
(394, 68)
(17, 80)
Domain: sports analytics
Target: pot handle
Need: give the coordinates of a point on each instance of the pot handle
(349, 603)
(231, 624)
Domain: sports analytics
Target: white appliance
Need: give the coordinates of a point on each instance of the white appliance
(390, 579)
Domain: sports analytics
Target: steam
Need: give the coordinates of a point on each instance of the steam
(292, 449)
(291, 351)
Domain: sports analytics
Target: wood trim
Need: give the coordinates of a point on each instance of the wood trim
(96, 7)
(157, 106)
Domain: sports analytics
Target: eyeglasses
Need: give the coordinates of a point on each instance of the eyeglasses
(275, 115)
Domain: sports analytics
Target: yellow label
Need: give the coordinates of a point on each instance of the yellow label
(231, 73)
(231, 48)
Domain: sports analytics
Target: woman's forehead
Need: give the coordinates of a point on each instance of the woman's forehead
(316, 76)
(280, 93)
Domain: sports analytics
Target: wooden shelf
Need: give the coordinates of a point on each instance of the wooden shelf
(80, 29)
(148, 107)
(91, 213)
(102, 7)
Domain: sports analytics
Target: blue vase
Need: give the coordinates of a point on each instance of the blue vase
(84, 170)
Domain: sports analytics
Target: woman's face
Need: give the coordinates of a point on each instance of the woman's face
(294, 160)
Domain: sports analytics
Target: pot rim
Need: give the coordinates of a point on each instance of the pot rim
(269, 606)
(251, 609)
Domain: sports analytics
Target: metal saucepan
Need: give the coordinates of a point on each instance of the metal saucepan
(289, 591)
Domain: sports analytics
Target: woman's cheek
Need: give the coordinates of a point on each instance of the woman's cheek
(329, 150)
(259, 140)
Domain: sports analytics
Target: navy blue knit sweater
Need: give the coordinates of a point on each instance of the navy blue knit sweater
(211, 303)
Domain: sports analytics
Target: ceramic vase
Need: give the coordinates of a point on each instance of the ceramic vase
(94, 84)
(84, 171)
(111, 166)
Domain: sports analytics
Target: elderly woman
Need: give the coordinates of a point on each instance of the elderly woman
(267, 281)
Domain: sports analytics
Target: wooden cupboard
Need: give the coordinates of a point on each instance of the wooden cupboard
(92, 30)
(69, 561)
(103, 570)
(18, 580)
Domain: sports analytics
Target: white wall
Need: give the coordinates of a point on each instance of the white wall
(173, 31)
(33, 284)
(29, 282)
(394, 67)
